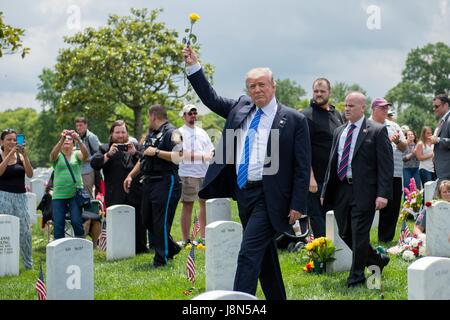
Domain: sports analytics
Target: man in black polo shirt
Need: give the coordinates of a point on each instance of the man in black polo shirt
(161, 186)
(323, 119)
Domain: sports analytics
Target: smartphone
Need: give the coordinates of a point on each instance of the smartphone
(20, 139)
(122, 147)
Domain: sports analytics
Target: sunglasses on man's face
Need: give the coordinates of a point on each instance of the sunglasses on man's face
(192, 113)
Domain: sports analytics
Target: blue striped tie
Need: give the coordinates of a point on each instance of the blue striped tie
(343, 165)
(242, 176)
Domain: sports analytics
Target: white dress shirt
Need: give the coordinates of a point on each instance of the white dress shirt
(355, 134)
(258, 148)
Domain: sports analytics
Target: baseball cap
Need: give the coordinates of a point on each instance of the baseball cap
(380, 102)
(187, 108)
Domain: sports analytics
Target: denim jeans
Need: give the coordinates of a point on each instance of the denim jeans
(409, 173)
(426, 176)
(60, 208)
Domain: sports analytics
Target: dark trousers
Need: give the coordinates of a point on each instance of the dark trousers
(316, 212)
(354, 228)
(389, 215)
(258, 257)
(159, 203)
(60, 208)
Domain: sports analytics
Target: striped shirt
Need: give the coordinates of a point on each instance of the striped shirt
(63, 186)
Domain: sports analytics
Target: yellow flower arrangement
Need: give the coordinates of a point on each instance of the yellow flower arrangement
(318, 252)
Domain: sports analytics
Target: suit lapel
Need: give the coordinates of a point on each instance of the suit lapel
(241, 115)
(279, 121)
(361, 136)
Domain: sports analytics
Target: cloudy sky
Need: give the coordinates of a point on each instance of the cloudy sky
(355, 41)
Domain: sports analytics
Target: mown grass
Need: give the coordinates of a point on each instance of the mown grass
(135, 279)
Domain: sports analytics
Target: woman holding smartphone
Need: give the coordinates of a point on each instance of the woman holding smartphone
(14, 164)
(65, 159)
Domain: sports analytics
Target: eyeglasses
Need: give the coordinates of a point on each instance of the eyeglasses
(436, 106)
(192, 113)
(8, 130)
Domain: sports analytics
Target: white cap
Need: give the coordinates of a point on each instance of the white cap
(187, 108)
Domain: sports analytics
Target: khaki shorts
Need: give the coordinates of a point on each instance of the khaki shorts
(190, 188)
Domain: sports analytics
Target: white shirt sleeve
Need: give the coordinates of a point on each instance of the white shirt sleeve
(193, 69)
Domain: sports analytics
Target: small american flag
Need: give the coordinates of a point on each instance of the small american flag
(40, 285)
(102, 239)
(404, 232)
(190, 265)
(195, 227)
(311, 234)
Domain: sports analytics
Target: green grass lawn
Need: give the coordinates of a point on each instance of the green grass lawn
(134, 279)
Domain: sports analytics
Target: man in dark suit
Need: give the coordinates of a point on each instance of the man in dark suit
(262, 161)
(441, 137)
(358, 182)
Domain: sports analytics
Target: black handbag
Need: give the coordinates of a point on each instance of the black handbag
(81, 195)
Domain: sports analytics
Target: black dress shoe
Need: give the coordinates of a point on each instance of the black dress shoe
(384, 261)
(176, 250)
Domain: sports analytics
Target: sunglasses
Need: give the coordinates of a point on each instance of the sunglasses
(192, 113)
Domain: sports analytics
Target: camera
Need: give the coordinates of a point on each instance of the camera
(122, 147)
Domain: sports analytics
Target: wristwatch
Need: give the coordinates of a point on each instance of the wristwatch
(157, 152)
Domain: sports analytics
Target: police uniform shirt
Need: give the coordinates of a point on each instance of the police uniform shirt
(164, 139)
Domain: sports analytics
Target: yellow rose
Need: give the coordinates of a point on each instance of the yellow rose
(194, 17)
(310, 246)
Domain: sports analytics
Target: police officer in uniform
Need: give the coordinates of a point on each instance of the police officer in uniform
(161, 188)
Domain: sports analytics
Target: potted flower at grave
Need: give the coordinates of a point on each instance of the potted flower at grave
(318, 253)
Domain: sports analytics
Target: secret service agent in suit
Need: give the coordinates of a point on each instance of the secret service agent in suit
(270, 195)
(358, 182)
(441, 137)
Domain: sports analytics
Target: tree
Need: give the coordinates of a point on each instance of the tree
(23, 120)
(133, 62)
(290, 93)
(340, 90)
(426, 74)
(10, 39)
(416, 118)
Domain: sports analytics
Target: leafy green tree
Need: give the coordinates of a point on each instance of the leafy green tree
(290, 93)
(426, 74)
(133, 62)
(416, 118)
(23, 120)
(340, 90)
(10, 39)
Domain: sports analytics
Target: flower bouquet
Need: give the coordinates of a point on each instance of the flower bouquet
(318, 252)
(413, 201)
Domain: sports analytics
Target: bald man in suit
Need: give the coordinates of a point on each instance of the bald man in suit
(358, 182)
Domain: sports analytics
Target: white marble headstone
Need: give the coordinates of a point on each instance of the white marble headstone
(9, 245)
(225, 295)
(430, 190)
(120, 232)
(32, 205)
(438, 229)
(343, 257)
(70, 269)
(38, 188)
(223, 242)
(429, 279)
(218, 210)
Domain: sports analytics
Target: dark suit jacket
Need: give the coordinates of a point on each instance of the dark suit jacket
(288, 187)
(442, 151)
(372, 166)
